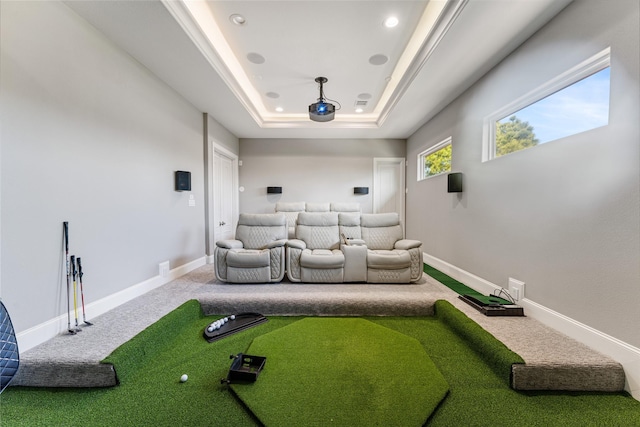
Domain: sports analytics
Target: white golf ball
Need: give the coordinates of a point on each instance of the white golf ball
(210, 329)
(233, 317)
(184, 378)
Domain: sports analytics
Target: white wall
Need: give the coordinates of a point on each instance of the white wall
(563, 217)
(310, 170)
(91, 137)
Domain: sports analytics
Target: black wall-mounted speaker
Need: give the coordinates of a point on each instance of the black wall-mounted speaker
(360, 190)
(274, 190)
(183, 181)
(454, 182)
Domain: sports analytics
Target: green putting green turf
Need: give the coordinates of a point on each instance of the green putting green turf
(342, 372)
(150, 393)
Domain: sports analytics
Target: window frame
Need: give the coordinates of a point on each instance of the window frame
(425, 153)
(586, 68)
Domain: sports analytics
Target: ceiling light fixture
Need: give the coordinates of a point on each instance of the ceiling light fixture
(237, 19)
(391, 22)
(322, 111)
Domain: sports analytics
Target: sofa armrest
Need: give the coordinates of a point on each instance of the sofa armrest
(297, 244)
(355, 242)
(229, 244)
(276, 244)
(355, 262)
(407, 244)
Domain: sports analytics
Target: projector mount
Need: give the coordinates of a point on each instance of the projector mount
(322, 111)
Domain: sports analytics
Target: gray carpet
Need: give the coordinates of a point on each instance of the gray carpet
(553, 361)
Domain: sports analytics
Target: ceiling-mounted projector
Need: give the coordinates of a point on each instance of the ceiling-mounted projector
(322, 111)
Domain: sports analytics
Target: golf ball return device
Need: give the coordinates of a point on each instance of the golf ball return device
(232, 324)
(244, 369)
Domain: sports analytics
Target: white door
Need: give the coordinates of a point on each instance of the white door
(223, 196)
(388, 185)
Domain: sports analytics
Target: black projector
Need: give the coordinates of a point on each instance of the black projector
(322, 111)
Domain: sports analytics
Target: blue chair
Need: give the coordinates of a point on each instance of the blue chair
(9, 356)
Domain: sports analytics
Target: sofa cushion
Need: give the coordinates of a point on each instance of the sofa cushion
(290, 206)
(350, 225)
(322, 258)
(248, 258)
(258, 230)
(345, 207)
(381, 231)
(380, 219)
(318, 230)
(388, 260)
(317, 207)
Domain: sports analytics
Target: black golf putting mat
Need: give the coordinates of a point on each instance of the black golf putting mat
(342, 372)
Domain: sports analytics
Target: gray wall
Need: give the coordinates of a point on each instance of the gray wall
(310, 170)
(220, 135)
(89, 136)
(564, 216)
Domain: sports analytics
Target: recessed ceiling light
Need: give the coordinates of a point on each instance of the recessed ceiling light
(359, 110)
(391, 22)
(273, 95)
(279, 109)
(237, 19)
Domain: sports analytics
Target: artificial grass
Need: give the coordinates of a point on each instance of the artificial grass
(449, 281)
(460, 288)
(150, 393)
(494, 352)
(342, 372)
(153, 340)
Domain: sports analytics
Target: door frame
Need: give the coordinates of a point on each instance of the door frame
(214, 149)
(399, 162)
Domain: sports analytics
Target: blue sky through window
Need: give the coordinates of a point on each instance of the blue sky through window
(577, 108)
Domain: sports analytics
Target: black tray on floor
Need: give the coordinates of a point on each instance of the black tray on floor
(244, 369)
(493, 309)
(241, 322)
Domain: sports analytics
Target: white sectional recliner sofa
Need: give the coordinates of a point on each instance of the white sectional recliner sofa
(329, 247)
(333, 247)
(257, 254)
(292, 209)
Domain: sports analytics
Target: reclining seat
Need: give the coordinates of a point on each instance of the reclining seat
(390, 257)
(314, 256)
(257, 254)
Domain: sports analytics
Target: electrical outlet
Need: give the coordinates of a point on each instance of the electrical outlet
(516, 289)
(164, 269)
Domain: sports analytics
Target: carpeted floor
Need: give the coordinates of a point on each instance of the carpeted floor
(553, 361)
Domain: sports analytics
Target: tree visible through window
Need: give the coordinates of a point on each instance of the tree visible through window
(435, 160)
(514, 135)
(581, 106)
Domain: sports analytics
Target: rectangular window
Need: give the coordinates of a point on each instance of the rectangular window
(574, 102)
(435, 160)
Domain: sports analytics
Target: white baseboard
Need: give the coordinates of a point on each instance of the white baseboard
(45, 331)
(625, 354)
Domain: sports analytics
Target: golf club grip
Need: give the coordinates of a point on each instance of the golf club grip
(79, 268)
(73, 266)
(66, 236)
